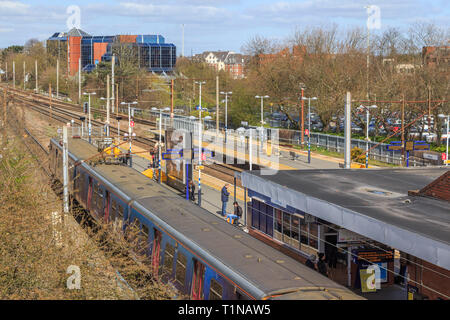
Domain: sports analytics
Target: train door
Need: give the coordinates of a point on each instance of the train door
(197, 281)
(89, 195)
(156, 250)
(106, 209)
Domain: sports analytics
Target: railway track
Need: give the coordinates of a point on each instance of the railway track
(64, 112)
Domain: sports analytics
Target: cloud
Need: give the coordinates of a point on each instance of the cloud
(6, 29)
(13, 8)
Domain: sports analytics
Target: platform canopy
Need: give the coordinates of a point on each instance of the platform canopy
(374, 203)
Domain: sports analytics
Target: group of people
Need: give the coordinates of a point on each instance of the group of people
(237, 208)
(318, 264)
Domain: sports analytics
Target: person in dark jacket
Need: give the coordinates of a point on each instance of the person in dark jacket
(224, 198)
(311, 262)
(192, 190)
(321, 265)
(237, 212)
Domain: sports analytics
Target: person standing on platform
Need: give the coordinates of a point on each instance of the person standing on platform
(192, 190)
(225, 195)
(237, 212)
(321, 265)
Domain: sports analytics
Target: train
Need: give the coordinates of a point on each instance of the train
(198, 253)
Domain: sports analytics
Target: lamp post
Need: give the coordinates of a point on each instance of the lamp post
(129, 128)
(200, 142)
(309, 126)
(226, 111)
(367, 129)
(107, 112)
(89, 113)
(447, 120)
(118, 118)
(262, 108)
(159, 144)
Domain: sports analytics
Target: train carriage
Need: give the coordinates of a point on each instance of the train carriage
(198, 253)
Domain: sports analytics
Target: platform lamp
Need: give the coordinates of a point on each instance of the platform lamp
(82, 119)
(200, 153)
(159, 144)
(226, 111)
(107, 114)
(118, 118)
(309, 125)
(129, 128)
(447, 120)
(361, 107)
(89, 112)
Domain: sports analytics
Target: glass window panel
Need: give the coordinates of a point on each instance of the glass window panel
(313, 234)
(180, 274)
(215, 290)
(168, 259)
(286, 227)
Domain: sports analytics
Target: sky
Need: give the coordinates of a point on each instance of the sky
(209, 24)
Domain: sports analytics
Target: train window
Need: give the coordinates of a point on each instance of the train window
(99, 199)
(143, 240)
(215, 290)
(180, 274)
(168, 259)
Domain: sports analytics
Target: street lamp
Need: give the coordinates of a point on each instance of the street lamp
(129, 128)
(367, 129)
(226, 111)
(309, 126)
(262, 108)
(159, 144)
(200, 142)
(107, 114)
(89, 112)
(447, 120)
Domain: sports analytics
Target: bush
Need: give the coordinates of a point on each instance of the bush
(356, 155)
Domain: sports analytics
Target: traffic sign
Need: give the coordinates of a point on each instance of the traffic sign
(307, 132)
(444, 156)
(132, 123)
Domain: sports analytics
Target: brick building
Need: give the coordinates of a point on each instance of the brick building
(436, 57)
(231, 62)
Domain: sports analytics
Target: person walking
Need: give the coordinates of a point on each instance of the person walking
(224, 198)
(311, 262)
(321, 265)
(237, 212)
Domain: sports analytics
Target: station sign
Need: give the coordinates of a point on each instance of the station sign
(421, 145)
(395, 146)
(409, 145)
(430, 156)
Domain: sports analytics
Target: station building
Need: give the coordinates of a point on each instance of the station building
(397, 219)
(148, 52)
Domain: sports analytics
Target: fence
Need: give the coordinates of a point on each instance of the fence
(286, 136)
